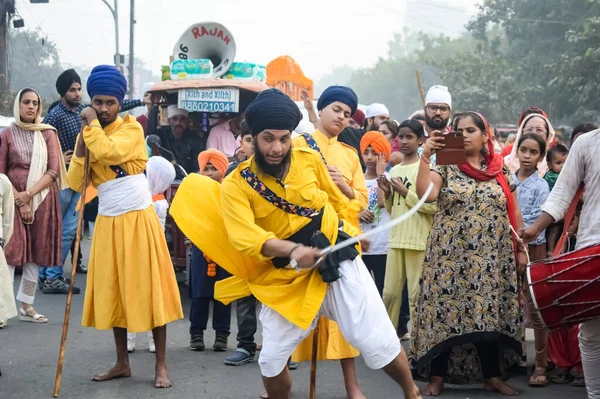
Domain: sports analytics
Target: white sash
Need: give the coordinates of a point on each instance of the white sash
(122, 195)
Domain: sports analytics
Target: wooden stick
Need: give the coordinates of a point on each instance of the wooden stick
(313, 362)
(420, 88)
(65, 330)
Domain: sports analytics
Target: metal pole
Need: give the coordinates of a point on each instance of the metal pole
(115, 13)
(4, 44)
(116, 17)
(131, 60)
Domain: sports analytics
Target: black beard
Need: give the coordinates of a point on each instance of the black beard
(372, 126)
(270, 169)
(104, 122)
(434, 125)
(72, 104)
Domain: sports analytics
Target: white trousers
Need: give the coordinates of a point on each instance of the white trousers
(589, 344)
(28, 287)
(353, 302)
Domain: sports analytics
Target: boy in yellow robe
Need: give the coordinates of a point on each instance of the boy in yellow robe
(266, 225)
(131, 283)
(335, 106)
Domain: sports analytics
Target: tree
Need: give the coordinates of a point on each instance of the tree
(34, 62)
(515, 54)
(339, 75)
(554, 47)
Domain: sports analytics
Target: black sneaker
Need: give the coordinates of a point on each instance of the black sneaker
(58, 286)
(197, 342)
(220, 344)
(240, 357)
(81, 269)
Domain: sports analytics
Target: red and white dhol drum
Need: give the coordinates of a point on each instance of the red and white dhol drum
(566, 289)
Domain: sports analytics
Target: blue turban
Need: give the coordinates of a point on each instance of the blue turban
(272, 109)
(343, 94)
(106, 80)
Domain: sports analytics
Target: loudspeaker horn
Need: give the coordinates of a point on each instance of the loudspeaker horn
(207, 40)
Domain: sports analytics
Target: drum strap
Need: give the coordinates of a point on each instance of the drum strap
(568, 218)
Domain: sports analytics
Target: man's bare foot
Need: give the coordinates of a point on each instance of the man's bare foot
(118, 371)
(435, 387)
(162, 378)
(497, 385)
(355, 394)
(415, 394)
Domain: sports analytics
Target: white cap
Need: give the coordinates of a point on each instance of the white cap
(439, 95)
(146, 88)
(172, 111)
(376, 109)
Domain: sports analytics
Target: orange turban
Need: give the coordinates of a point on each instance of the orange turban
(378, 142)
(216, 158)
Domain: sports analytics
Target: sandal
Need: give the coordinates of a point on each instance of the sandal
(264, 395)
(539, 372)
(560, 375)
(36, 318)
(578, 379)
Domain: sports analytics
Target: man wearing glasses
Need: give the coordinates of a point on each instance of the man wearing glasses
(438, 109)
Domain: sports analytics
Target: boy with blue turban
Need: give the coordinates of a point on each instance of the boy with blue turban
(131, 283)
(336, 106)
(266, 224)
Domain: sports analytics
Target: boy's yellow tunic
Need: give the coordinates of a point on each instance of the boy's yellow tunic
(131, 282)
(231, 222)
(332, 345)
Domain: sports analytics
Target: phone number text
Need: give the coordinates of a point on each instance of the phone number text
(208, 106)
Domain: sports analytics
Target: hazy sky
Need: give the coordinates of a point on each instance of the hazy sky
(318, 34)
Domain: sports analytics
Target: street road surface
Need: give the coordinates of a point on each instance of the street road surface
(29, 353)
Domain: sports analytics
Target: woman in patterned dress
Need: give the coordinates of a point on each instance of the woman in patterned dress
(468, 322)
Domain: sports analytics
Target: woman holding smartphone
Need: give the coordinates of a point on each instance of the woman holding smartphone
(468, 325)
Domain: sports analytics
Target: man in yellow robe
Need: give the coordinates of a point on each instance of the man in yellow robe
(336, 105)
(265, 226)
(131, 283)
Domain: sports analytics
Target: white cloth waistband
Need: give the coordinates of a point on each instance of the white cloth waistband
(122, 195)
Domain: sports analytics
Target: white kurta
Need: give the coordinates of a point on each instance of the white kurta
(583, 165)
(8, 307)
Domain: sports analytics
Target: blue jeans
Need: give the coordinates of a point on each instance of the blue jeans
(68, 203)
(199, 309)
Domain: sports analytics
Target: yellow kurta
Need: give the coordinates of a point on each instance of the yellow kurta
(343, 157)
(332, 345)
(130, 282)
(230, 223)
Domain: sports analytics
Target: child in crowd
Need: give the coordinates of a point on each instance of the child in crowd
(245, 150)
(375, 149)
(407, 241)
(556, 158)
(160, 174)
(204, 273)
(532, 192)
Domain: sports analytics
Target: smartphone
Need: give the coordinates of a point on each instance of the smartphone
(454, 151)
